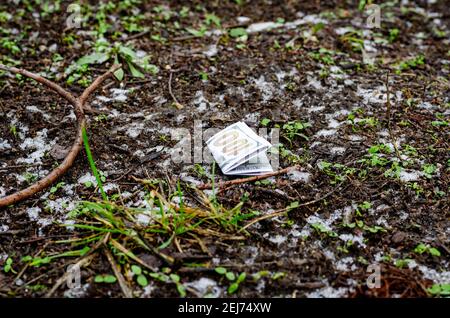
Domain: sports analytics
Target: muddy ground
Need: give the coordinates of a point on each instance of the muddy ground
(377, 172)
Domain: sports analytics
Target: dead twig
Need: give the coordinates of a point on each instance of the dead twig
(284, 210)
(122, 283)
(245, 180)
(176, 103)
(79, 105)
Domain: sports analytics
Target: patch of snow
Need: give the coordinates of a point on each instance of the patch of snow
(143, 219)
(337, 150)
(262, 26)
(377, 96)
(277, 239)
(4, 145)
(34, 109)
(353, 238)
(345, 264)
(302, 176)
(88, 177)
(135, 129)
(211, 51)
(243, 19)
(426, 105)
(252, 117)
(326, 132)
(407, 176)
(265, 87)
(61, 205)
(33, 213)
(39, 144)
(329, 292)
(355, 138)
(315, 109)
(205, 287)
(312, 81)
(200, 101)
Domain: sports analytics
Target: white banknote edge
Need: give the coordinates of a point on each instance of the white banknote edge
(249, 169)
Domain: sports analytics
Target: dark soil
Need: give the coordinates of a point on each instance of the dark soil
(265, 77)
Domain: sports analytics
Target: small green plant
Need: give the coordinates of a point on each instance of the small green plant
(56, 187)
(393, 34)
(294, 129)
(235, 280)
(13, 130)
(140, 277)
(415, 187)
(324, 56)
(322, 229)
(199, 170)
(412, 63)
(8, 266)
(425, 248)
(402, 263)
(363, 207)
(428, 170)
(265, 122)
(118, 53)
(238, 33)
(338, 172)
(440, 290)
(107, 279)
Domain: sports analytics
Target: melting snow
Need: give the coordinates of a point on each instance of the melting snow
(296, 175)
(40, 146)
(205, 287)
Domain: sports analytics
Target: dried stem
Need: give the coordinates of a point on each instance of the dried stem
(249, 179)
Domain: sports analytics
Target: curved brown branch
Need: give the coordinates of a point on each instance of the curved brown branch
(78, 103)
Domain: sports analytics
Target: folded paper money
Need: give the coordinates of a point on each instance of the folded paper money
(240, 151)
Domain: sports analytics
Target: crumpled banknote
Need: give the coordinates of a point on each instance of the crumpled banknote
(240, 151)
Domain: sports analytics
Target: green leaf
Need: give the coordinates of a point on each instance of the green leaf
(142, 280)
(362, 5)
(94, 58)
(128, 52)
(110, 279)
(440, 289)
(119, 73)
(265, 121)
(230, 276)
(134, 71)
(197, 33)
(434, 251)
(221, 270)
(181, 290)
(175, 278)
(136, 269)
(241, 277)
(212, 18)
(238, 32)
(420, 249)
(232, 288)
(98, 279)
